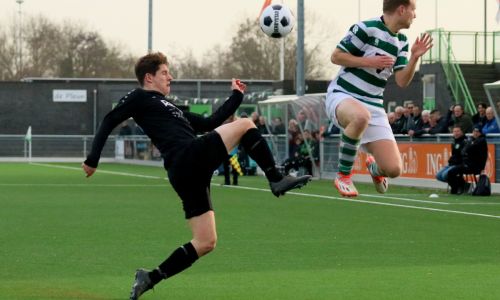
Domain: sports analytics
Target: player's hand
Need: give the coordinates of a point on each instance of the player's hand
(236, 84)
(381, 61)
(88, 170)
(421, 45)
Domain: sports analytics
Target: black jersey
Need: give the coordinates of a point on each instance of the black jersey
(169, 129)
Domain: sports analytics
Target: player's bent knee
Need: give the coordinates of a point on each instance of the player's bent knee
(361, 120)
(207, 246)
(393, 172)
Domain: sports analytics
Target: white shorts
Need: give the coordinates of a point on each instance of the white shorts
(378, 126)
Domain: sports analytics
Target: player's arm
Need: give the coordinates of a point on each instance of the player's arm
(422, 44)
(120, 113)
(342, 58)
(201, 124)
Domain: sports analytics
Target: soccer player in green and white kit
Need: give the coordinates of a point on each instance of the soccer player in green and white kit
(370, 52)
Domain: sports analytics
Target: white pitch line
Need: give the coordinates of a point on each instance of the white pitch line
(101, 171)
(475, 203)
(375, 203)
(79, 185)
(404, 199)
(306, 195)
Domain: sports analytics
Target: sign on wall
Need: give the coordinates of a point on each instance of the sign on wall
(425, 160)
(69, 95)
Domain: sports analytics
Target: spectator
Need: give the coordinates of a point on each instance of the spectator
(255, 118)
(410, 106)
(422, 126)
(474, 156)
(438, 123)
(293, 132)
(399, 121)
(455, 159)
(278, 126)
(480, 117)
(417, 117)
(408, 123)
(261, 125)
(460, 118)
(391, 117)
(491, 125)
(305, 120)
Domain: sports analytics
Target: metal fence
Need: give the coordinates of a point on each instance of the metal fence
(139, 148)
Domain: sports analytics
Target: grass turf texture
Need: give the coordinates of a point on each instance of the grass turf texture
(67, 237)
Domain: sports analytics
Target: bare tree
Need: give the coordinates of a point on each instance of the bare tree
(67, 50)
(9, 66)
(41, 50)
(251, 54)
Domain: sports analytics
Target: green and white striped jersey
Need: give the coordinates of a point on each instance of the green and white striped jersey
(370, 38)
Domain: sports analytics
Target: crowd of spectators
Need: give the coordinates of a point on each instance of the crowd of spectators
(303, 138)
(413, 121)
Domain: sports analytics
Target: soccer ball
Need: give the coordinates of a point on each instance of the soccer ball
(277, 20)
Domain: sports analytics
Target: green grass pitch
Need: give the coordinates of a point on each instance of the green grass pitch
(67, 237)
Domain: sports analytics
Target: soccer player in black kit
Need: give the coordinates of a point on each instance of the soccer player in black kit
(189, 159)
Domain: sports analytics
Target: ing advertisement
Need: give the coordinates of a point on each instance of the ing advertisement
(425, 160)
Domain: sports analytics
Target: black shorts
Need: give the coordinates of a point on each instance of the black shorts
(191, 172)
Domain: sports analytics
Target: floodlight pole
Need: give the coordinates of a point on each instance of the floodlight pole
(20, 38)
(150, 27)
(485, 32)
(282, 58)
(300, 80)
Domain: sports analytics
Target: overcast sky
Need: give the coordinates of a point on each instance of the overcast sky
(200, 25)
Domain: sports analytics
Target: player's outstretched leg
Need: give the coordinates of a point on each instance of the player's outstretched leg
(381, 183)
(288, 183)
(142, 283)
(256, 147)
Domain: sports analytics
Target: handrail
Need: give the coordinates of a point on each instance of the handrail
(453, 73)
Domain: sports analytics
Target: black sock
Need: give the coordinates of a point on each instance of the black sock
(256, 147)
(181, 259)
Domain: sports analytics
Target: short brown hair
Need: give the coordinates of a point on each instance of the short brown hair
(391, 5)
(149, 64)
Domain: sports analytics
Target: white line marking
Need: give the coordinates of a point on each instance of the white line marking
(101, 171)
(80, 185)
(302, 194)
(403, 199)
(376, 203)
(475, 203)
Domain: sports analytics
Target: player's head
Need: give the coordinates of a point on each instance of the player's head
(152, 72)
(404, 10)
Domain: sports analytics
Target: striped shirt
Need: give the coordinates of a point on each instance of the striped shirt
(364, 39)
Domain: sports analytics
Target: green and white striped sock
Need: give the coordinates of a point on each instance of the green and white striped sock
(348, 150)
(374, 170)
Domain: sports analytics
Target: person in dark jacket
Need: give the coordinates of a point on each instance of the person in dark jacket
(480, 117)
(455, 159)
(474, 156)
(438, 123)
